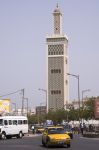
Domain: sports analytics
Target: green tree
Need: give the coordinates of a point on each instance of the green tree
(32, 119)
(73, 114)
(88, 111)
(57, 116)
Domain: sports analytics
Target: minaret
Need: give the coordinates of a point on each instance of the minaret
(57, 91)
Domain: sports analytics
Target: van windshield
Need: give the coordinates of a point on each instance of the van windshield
(1, 122)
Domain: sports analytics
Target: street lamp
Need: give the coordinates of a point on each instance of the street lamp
(22, 90)
(46, 96)
(84, 91)
(27, 104)
(77, 77)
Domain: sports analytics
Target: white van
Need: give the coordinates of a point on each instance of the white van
(13, 126)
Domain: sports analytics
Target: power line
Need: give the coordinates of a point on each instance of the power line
(10, 93)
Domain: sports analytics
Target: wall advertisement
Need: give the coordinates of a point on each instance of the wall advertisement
(5, 106)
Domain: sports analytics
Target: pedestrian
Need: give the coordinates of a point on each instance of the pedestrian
(72, 127)
(82, 127)
(33, 129)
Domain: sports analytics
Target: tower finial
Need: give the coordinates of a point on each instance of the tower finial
(57, 5)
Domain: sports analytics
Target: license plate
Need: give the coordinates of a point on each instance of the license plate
(60, 142)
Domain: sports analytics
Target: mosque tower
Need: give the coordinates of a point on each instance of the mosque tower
(57, 66)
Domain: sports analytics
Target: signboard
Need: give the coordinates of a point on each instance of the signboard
(4, 106)
(96, 109)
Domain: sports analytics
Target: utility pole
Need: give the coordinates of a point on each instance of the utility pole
(27, 104)
(22, 101)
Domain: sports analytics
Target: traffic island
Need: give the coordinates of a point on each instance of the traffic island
(91, 135)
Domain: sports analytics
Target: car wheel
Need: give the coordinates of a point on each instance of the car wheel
(3, 136)
(8, 137)
(20, 135)
(68, 145)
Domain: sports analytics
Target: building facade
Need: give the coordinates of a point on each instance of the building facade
(40, 110)
(58, 85)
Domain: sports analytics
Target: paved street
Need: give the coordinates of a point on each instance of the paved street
(34, 143)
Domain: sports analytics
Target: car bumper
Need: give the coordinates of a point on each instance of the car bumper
(58, 142)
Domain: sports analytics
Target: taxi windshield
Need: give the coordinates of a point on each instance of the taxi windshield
(1, 122)
(56, 131)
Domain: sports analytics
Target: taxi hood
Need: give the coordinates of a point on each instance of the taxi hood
(59, 136)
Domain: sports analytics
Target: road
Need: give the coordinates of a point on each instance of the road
(34, 143)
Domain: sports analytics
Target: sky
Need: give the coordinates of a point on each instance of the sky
(24, 25)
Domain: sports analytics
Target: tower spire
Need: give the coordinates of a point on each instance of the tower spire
(57, 5)
(57, 20)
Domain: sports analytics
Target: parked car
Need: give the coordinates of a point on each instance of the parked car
(39, 129)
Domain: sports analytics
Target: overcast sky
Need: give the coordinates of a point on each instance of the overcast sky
(24, 25)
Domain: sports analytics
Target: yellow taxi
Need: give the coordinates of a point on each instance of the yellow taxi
(55, 136)
(39, 129)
